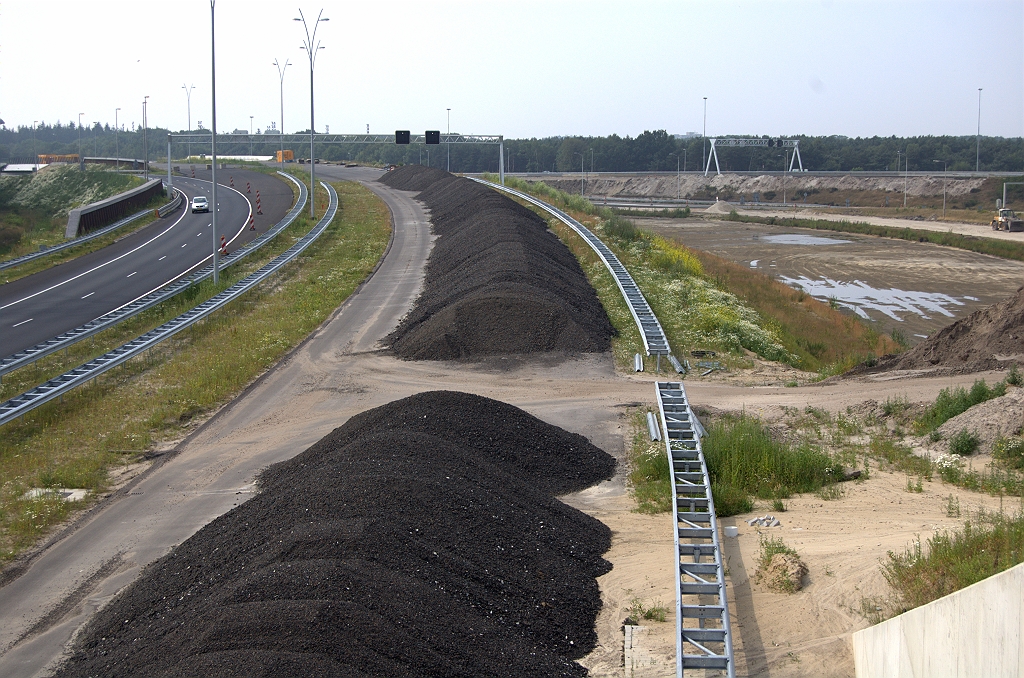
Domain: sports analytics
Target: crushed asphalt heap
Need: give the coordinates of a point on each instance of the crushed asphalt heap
(498, 282)
(421, 538)
(990, 338)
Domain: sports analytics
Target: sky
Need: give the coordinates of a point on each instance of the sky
(525, 69)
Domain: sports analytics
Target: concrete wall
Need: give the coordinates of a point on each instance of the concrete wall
(978, 631)
(90, 217)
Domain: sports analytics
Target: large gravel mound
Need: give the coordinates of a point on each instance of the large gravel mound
(989, 338)
(420, 538)
(497, 282)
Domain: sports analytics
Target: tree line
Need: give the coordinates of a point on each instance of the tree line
(648, 152)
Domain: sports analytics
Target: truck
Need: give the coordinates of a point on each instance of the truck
(1007, 220)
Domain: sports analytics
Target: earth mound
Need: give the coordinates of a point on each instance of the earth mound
(420, 538)
(497, 282)
(990, 338)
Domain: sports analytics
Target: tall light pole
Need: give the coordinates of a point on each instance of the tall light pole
(280, 76)
(35, 155)
(145, 140)
(704, 134)
(311, 47)
(188, 101)
(977, 161)
(117, 151)
(95, 140)
(81, 158)
(213, 141)
(250, 137)
(448, 143)
(944, 163)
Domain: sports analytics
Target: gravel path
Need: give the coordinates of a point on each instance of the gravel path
(420, 538)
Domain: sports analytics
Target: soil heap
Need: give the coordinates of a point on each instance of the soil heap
(497, 281)
(420, 538)
(990, 338)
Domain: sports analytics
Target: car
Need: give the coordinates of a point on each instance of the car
(200, 204)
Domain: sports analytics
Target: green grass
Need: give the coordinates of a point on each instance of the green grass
(1006, 249)
(952, 402)
(989, 544)
(964, 442)
(649, 475)
(159, 396)
(744, 460)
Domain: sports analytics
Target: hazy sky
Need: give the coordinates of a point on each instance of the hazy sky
(525, 69)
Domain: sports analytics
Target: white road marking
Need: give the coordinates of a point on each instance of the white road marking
(184, 245)
(162, 258)
(88, 295)
(131, 274)
(22, 322)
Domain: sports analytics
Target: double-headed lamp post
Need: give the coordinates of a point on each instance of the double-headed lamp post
(81, 158)
(280, 76)
(312, 47)
(188, 103)
(944, 165)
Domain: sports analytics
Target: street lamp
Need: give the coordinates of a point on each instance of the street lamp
(280, 76)
(35, 154)
(250, 137)
(145, 141)
(944, 163)
(117, 151)
(704, 134)
(188, 101)
(677, 174)
(95, 139)
(448, 143)
(311, 48)
(81, 158)
(977, 161)
(213, 142)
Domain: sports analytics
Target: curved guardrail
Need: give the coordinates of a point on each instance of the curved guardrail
(58, 386)
(655, 342)
(703, 632)
(33, 353)
(173, 204)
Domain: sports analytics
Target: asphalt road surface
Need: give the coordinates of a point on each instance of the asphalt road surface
(84, 567)
(41, 306)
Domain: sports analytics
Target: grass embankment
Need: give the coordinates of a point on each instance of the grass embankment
(1007, 249)
(34, 209)
(157, 397)
(988, 545)
(704, 302)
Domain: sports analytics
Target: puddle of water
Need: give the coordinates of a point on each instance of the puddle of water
(860, 298)
(801, 239)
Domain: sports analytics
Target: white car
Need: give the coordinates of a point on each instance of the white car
(200, 204)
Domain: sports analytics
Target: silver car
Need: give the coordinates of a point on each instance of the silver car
(200, 204)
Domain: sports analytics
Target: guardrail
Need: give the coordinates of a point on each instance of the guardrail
(33, 353)
(173, 204)
(707, 644)
(58, 386)
(655, 341)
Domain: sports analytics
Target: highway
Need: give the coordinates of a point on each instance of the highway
(104, 550)
(46, 304)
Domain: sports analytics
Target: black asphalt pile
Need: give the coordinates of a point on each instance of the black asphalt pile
(497, 282)
(420, 538)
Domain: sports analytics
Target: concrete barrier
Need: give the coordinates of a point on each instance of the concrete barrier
(976, 631)
(82, 220)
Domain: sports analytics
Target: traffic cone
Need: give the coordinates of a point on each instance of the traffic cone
(252, 223)
(193, 172)
(232, 182)
(223, 245)
(247, 189)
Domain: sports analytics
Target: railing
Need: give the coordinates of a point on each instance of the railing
(33, 353)
(703, 633)
(58, 386)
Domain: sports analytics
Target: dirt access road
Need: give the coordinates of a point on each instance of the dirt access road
(337, 373)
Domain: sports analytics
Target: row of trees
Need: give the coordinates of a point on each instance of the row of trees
(650, 151)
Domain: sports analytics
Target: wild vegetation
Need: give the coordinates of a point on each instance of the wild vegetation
(160, 396)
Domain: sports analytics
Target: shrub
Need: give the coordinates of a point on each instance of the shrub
(956, 401)
(1010, 451)
(1013, 377)
(964, 442)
